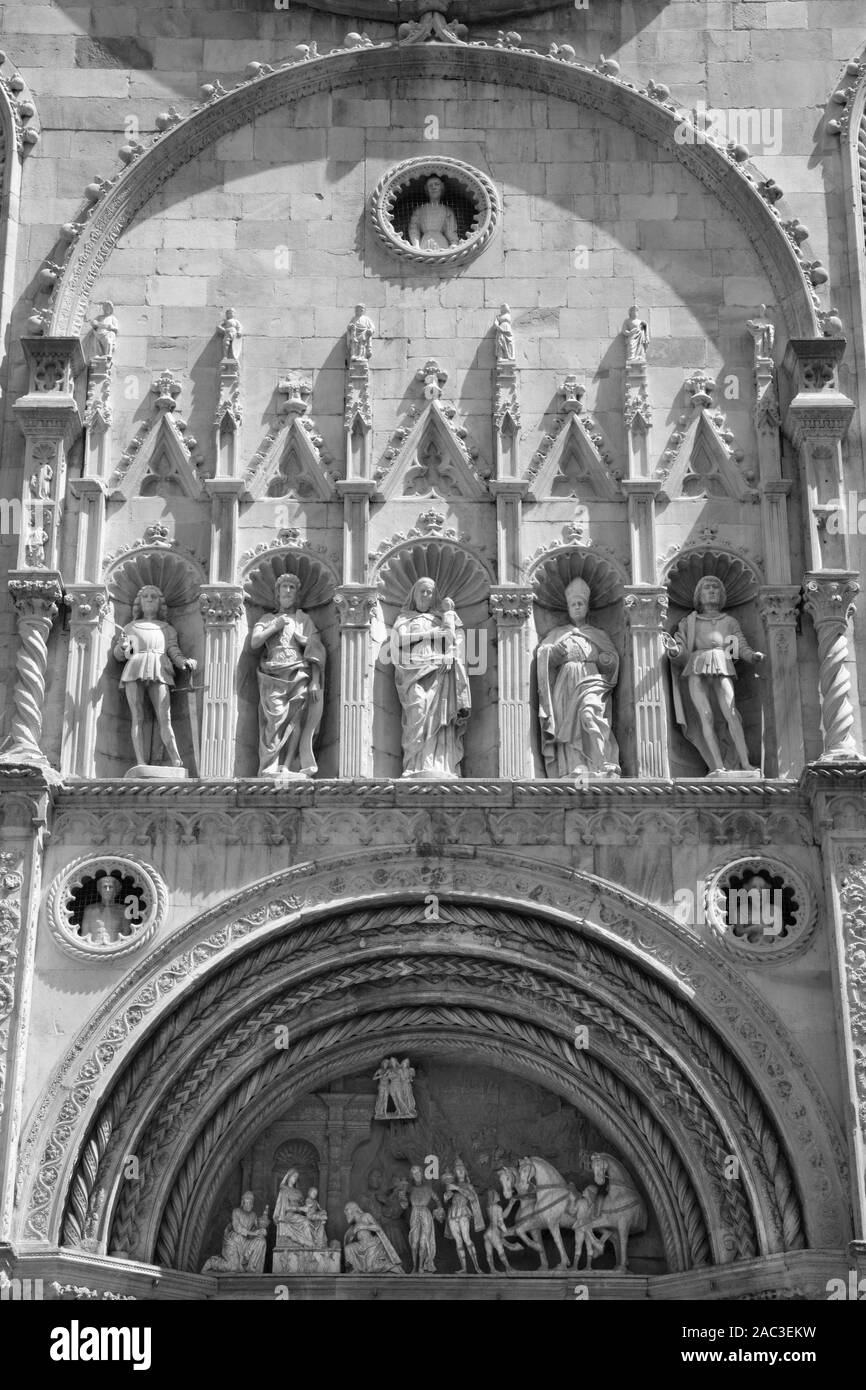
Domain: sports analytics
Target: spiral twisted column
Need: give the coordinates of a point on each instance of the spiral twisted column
(35, 598)
(829, 601)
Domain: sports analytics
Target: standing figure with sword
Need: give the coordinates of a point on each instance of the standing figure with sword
(149, 647)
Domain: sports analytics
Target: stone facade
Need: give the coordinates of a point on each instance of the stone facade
(588, 413)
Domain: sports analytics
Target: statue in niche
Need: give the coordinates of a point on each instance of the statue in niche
(463, 1213)
(244, 1242)
(494, 1235)
(232, 333)
(108, 921)
(578, 667)
(150, 650)
(366, 1248)
(360, 335)
(706, 644)
(505, 350)
(428, 656)
(420, 1197)
(395, 1090)
(105, 330)
(433, 226)
(291, 672)
(636, 336)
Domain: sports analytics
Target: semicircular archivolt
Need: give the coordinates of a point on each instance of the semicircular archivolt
(649, 117)
(646, 1039)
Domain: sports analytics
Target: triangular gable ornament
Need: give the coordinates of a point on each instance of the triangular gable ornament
(161, 455)
(292, 463)
(432, 459)
(574, 463)
(701, 460)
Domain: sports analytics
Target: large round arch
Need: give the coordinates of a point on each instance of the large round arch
(652, 116)
(684, 1067)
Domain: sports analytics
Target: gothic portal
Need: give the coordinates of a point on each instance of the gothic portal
(432, 778)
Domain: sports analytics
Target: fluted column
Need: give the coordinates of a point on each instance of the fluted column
(355, 604)
(777, 606)
(222, 607)
(829, 601)
(88, 605)
(35, 598)
(646, 607)
(511, 606)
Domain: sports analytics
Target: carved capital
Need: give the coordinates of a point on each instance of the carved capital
(779, 607)
(511, 605)
(355, 604)
(646, 607)
(830, 598)
(87, 604)
(35, 596)
(222, 605)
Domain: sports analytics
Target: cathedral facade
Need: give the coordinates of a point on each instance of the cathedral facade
(432, 790)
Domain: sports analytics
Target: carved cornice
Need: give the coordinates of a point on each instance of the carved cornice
(653, 115)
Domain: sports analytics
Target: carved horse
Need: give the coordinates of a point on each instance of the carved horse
(547, 1202)
(618, 1209)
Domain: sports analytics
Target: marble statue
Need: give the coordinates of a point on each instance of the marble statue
(611, 1203)
(495, 1233)
(763, 332)
(149, 648)
(302, 1244)
(244, 1242)
(105, 330)
(366, 1248)
(706, 644)
(360, 335)
(420, 1197)
(636, 337)
(428, 656)
(578, 667)
(291, 671)
(299, 1220)
(108, 920)
(232, 332)
(505, 351)
(433, 226)
(463, 1213)
(395, 1090)
(389, 1210)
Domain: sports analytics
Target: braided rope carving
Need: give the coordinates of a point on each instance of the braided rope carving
(173, 1117)
(696, 1039)
(558, 1055)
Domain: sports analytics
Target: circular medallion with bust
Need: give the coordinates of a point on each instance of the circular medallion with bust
(438, 212)
(107, 920)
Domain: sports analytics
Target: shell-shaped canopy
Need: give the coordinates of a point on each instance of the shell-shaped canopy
(457, 574)
(551, 576)
(317, 581)
(738, 576)
(178, 577)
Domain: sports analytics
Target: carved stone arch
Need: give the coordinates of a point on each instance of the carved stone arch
(576, 926)
(460, 572)
(261, 571)
(178, 575)
(532, 1055)
(653, 117)
(740, 575)
(675, 1110)
(551, 572)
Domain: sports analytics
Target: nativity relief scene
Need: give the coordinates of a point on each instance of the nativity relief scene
(432, 829)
